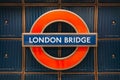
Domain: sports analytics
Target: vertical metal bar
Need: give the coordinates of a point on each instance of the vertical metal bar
(59, 75)
(23, 48)
(59, 29)
(59, 4)
(23, 64)
(23, 16)
(96, 16)
(95, 64)
(95, 49)
(59, 48)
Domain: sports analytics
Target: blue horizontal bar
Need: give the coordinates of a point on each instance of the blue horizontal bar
(59, 39)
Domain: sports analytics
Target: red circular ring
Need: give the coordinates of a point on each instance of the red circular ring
(70, 18)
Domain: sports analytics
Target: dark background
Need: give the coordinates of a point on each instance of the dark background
(101, 63)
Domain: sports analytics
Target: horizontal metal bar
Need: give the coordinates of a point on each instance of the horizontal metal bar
(108, 72)
(10, 38)
(108, 38)
(10, 4)
(28, 4)
(10, 72)
(78, 4)
(62, 72)
(41, 72)
(108, 4)
(57, 4)
(78, 73)
(41, 4)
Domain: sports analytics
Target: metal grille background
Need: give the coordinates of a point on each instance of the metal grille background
(101, 63)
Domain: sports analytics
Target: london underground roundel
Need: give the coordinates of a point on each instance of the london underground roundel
(36, 39)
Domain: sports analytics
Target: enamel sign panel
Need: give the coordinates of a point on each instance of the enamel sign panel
(82, 39)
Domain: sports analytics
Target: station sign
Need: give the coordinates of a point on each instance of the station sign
(61, 39)
(82, 39)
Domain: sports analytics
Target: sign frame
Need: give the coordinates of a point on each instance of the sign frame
(59, 15)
